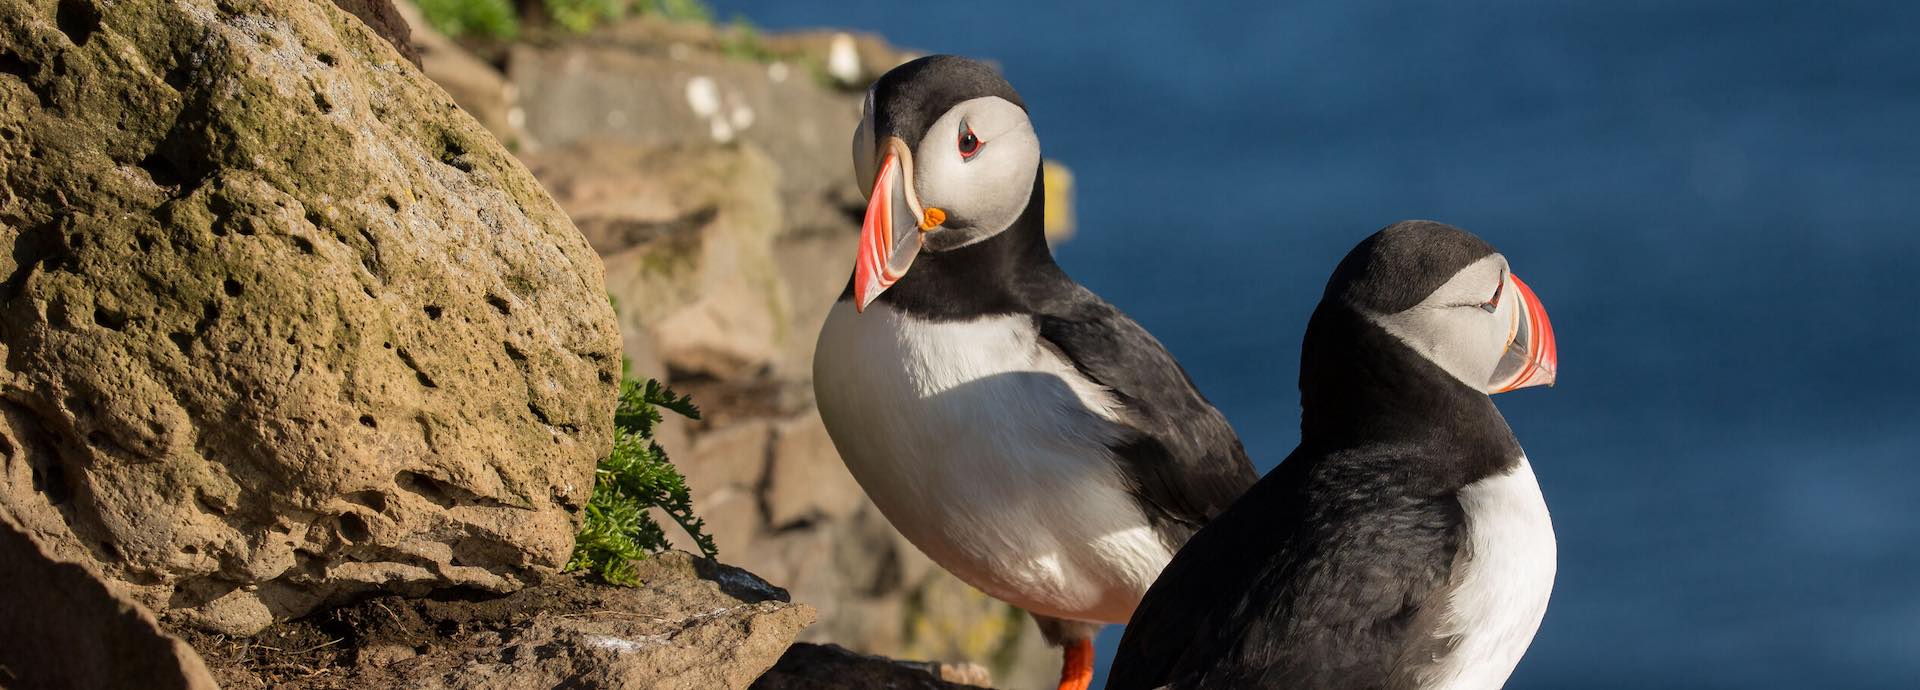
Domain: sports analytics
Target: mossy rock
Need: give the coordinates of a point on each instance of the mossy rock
(281, 323)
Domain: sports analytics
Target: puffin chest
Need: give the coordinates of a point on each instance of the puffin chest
(989, 451)
(1501, 585)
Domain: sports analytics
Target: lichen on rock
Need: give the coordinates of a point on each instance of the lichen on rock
(281, 324)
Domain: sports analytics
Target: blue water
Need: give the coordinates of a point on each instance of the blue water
(1719, 203)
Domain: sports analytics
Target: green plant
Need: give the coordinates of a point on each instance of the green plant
(678, 10)
(500, 19)
(636, 476)
(477, 18)
(582, 15)
(741, 41)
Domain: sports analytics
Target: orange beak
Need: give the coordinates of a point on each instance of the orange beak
(890, 235)
(1532, 357)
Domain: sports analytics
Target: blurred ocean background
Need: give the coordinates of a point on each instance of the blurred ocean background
(1719, 203)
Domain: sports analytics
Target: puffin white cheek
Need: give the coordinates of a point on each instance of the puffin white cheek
(1463, 341)
(964, 188)
(1454, 341)
(985, 189)
(1490, 344)
(1001, 186)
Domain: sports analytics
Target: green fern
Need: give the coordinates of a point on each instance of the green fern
(636, 476)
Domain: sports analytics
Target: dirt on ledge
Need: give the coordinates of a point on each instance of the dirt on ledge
(695, 624)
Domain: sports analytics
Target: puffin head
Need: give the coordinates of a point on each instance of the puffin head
(1450, 297)
(945, 147)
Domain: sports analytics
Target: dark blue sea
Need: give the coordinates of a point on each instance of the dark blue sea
(1718, 202)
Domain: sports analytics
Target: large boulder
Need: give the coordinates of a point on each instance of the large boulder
(281, 324)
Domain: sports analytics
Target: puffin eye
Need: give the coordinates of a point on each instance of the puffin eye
(1494, 302)
(969, 144)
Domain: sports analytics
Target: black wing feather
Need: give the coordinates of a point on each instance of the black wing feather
(1326, 575)
(1185, 461)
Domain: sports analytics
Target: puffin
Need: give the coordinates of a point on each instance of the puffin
(1023, 433)
(1404, 543)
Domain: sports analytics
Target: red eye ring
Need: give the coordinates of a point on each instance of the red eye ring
(970, 144)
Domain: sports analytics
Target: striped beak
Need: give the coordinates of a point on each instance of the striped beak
(1532, 357)
(890, 234)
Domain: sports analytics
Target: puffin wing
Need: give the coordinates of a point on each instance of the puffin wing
(1183, 459)
(1316, 579)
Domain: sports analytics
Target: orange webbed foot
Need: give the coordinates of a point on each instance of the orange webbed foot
(1077, 671)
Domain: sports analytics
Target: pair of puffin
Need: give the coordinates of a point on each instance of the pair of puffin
(1043, 447)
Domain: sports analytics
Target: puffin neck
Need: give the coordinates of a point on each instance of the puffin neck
(1359, 385)
(1001, 274)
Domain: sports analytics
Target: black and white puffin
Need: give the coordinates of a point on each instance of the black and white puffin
(1404, 543)
(1023, 433)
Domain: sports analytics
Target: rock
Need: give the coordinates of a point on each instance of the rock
(832, 667)
(385, 19)
(732, 456)
(694, 624)
(947, 619)
(282, 324)
(632, 85)
(61, 627)
(850, 60)
(479, 88)
(727, 466)
(687, 235)
(806, 481)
